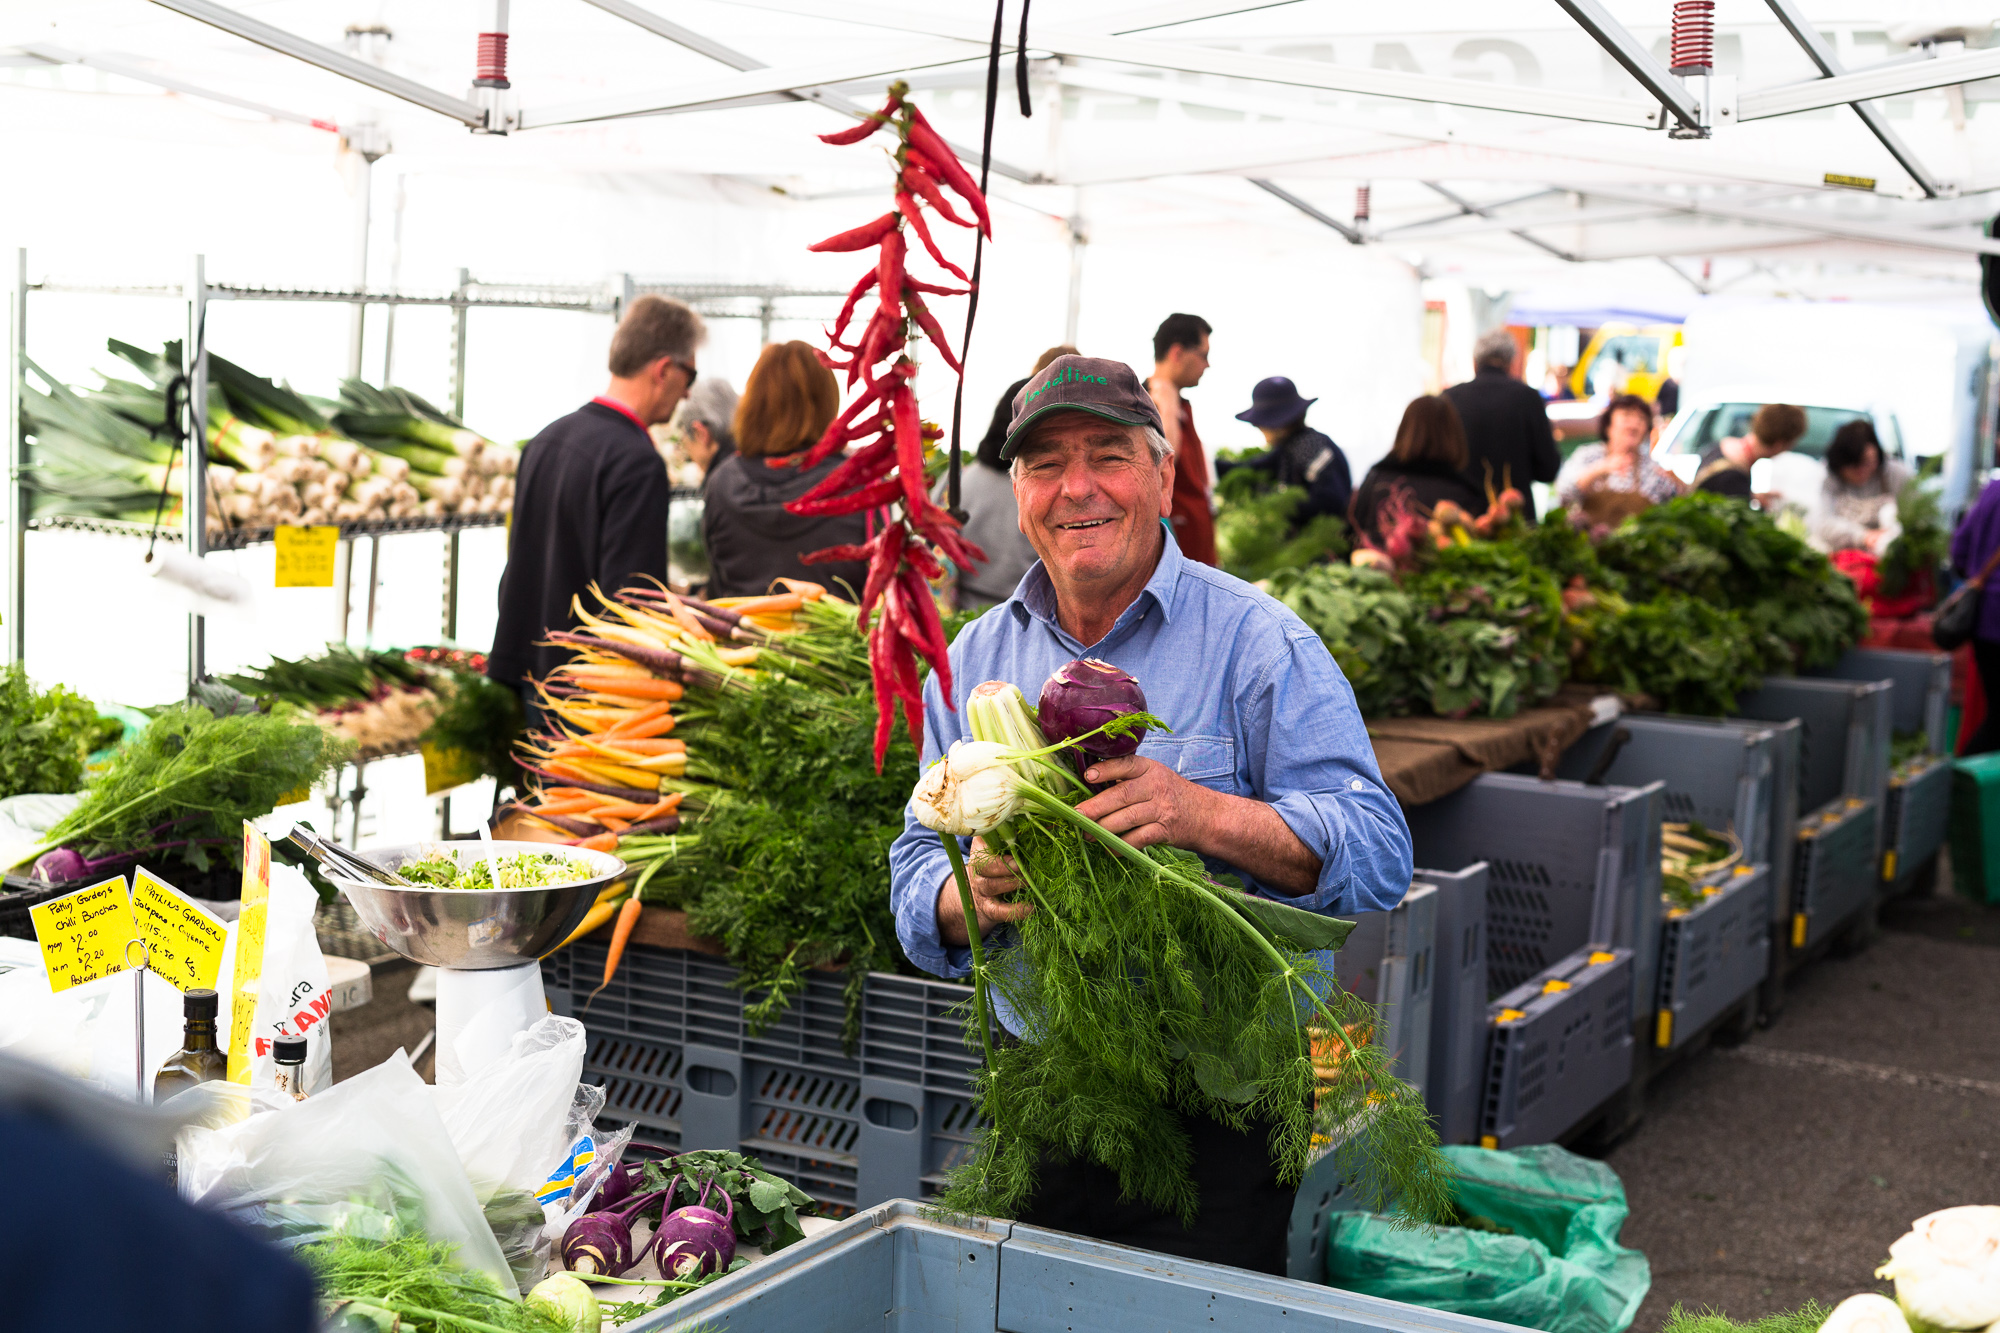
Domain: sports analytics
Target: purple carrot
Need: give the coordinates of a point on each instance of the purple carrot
(713, 612)
(657, 824)
(653, 659)
(622, 793)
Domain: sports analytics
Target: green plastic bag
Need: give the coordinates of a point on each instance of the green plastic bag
(1562, 1270)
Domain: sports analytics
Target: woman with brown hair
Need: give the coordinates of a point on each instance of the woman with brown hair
(1426, 463)
(1617, 477)
(786, 405)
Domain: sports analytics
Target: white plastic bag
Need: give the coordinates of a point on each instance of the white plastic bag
(293, 998)
(370, 1158)
(513, 1123)
(86, 1031)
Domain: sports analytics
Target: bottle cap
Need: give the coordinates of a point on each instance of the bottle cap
(289, 1050)
(198, 1004)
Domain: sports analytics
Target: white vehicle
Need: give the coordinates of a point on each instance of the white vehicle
(1795, 474)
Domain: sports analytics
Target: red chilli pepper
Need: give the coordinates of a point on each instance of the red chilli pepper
(920, 614)
(868, 497)
(860, 238)
(847, 310)
(884, 682)
(841, 428)
(923, 561)
(909, 448)
(934, 290)
(882, 567)
(827, 555)
(928, 323)
(860, 468)
(937, 154)
(889, 271)
(907, 205)
(870, 123)
(920, 184)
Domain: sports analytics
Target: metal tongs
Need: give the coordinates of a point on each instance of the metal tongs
(334, 857)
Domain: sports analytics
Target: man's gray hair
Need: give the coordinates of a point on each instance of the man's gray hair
(1155, 441)
(1495, 350)
(712, 402)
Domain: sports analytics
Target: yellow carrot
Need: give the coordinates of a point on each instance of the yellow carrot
(599, 913)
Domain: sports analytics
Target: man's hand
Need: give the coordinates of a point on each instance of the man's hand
(993, 880)
(1150, 803)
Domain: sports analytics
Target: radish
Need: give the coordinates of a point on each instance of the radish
(695, 1241)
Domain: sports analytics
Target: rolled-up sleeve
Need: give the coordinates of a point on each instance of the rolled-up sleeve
(917, 863)
(1310, 758)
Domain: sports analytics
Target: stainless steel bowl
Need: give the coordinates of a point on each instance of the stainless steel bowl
(468, 929)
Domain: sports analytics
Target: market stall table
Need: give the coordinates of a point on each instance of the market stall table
(1425, 758)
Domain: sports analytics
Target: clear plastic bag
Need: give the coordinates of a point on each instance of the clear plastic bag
(370, 1158)
(514, 1123)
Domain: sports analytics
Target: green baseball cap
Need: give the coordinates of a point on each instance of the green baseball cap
(1090, 384)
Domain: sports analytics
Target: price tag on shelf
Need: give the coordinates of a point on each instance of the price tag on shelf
(83, 934)
(305, 556)
(185, 940)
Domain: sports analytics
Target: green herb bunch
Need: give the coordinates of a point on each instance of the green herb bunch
(44, 735)
(1923, 544)
(1258, 531)
(1366, 622)
(787, 865)
(190, 780)
(407, 1282)
(1689, 656)
(481, 717)
(1491, 640)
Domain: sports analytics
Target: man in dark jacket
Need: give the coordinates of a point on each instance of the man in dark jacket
(1300, 456)
(590, 504)
(1506, 426)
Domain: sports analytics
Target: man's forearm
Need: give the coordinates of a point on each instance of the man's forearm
(1254, 837)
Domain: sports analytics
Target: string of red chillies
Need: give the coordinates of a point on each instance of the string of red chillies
(881, 425)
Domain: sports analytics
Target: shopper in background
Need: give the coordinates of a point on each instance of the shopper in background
(1621, 463)
(1972, 545)
(993, 522)
(1180, 358)
(1507, 434)
(1857, 501)
(590, 506)
(1299, 456)
(1724, 468)
(1427, 464)
(751, 538)
(708, 424)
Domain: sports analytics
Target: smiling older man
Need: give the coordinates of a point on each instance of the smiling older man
(1268, 773)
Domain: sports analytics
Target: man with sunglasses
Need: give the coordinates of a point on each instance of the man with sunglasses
(590, 503)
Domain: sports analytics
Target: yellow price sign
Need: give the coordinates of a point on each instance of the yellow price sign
(249, 975)
(83, 934)
(305, 556)
(185, 942)
(447, 766)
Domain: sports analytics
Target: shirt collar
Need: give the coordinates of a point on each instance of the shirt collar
(1036, 597)
(622, 410)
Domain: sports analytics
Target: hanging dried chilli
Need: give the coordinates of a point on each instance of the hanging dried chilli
(885, 471)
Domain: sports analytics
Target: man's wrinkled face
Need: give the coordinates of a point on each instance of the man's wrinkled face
(1090, 493)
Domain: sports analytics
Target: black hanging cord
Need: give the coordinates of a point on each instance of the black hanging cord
(1021, 65)
(952, 504)
(177, 402)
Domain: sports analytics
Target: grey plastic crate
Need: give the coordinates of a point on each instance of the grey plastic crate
(917, 1117)
(1562, 1046)
(895, 1268)
(1568, 865)
(668, 1042)
(1713, 955)
(1834, 878)
(1390, 960)
(1916, 814)
(1845, 733)
(1922, 687)
(1458, 1002)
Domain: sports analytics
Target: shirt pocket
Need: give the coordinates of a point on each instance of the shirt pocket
(1208, 760)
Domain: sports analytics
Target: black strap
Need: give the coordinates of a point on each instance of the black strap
(952, 504)
(1021, 65)
(177, 402)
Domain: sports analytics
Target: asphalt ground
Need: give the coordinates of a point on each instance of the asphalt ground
(1780, 1170)
(1763, 1175)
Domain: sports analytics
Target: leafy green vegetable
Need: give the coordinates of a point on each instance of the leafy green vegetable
(407, 1282)
(1924, 542)
(1366, 622)
(44, 735)
(1691, 657)
(1492, 639)
(767, 1206)
(1257, 531)
(466, 868)
(481, 717)
(191, 779)
(342, 675)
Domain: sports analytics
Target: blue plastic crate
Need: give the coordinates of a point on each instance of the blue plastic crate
(1713, 955)
(1562, 1046)
(1844, 738)
(1834, 877)
(1922, 683)
(1390, 961)
(893, 1267)
(1458, 1002)
(1916, 816)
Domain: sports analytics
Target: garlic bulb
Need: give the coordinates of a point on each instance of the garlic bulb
(1947, 1269)
(972, 789)
(1866, 1313)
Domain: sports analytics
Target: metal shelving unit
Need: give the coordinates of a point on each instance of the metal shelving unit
(713, 300)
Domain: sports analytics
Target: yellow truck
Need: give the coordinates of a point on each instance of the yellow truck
(1625, 358)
